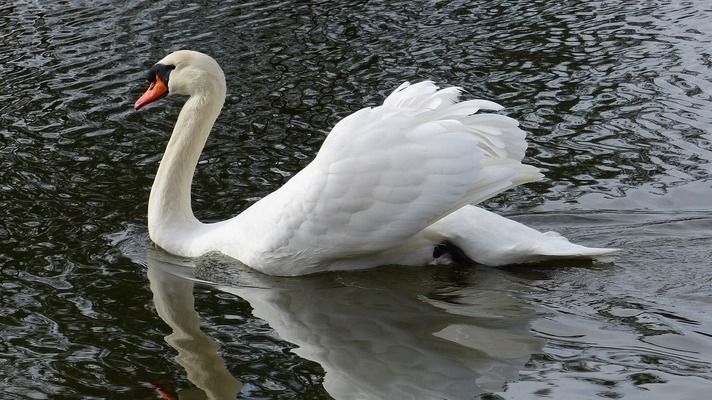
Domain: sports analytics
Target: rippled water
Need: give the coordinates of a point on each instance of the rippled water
(616, 96)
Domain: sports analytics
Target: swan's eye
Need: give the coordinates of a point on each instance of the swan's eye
(158, 84)
(163, 71)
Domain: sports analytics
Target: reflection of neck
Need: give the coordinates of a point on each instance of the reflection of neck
(169, 208)
(197, 352)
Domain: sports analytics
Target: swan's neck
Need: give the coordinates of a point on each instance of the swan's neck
(169, 206)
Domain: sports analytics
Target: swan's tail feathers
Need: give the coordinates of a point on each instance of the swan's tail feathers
(553, 246)
(491, 239)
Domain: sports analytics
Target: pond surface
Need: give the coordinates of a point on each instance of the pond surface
(616, 96)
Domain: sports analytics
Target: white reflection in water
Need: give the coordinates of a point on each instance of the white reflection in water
(197, 352)
(391, 333)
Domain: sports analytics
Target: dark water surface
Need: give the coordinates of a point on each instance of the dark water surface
(616, 95)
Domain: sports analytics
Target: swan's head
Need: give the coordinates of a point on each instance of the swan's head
(184, 72)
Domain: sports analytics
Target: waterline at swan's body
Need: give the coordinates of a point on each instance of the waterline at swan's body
(389, 185)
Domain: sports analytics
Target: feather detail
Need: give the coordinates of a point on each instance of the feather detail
(385, 173)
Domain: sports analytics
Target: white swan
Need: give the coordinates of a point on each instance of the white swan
(390, 185)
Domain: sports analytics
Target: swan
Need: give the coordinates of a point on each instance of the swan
(391, 184)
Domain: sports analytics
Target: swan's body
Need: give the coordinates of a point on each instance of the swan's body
(389, 185)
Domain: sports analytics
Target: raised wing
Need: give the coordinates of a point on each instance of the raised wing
(385, 173)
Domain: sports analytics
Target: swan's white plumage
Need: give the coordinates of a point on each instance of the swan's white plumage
(383, 180)
(495, 240)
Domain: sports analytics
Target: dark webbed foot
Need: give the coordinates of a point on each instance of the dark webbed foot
(447, 248)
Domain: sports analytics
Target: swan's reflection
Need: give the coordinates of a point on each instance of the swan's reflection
(197, 352)
(390, 333)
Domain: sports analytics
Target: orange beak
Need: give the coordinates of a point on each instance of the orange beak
(154, 92)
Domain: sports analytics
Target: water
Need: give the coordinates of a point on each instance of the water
(616, 96)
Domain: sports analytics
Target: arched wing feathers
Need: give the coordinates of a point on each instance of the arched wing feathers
(383, 174)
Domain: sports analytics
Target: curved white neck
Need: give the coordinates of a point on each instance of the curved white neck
(169, 205)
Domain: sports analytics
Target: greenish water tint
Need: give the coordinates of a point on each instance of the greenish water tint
(616, 96)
